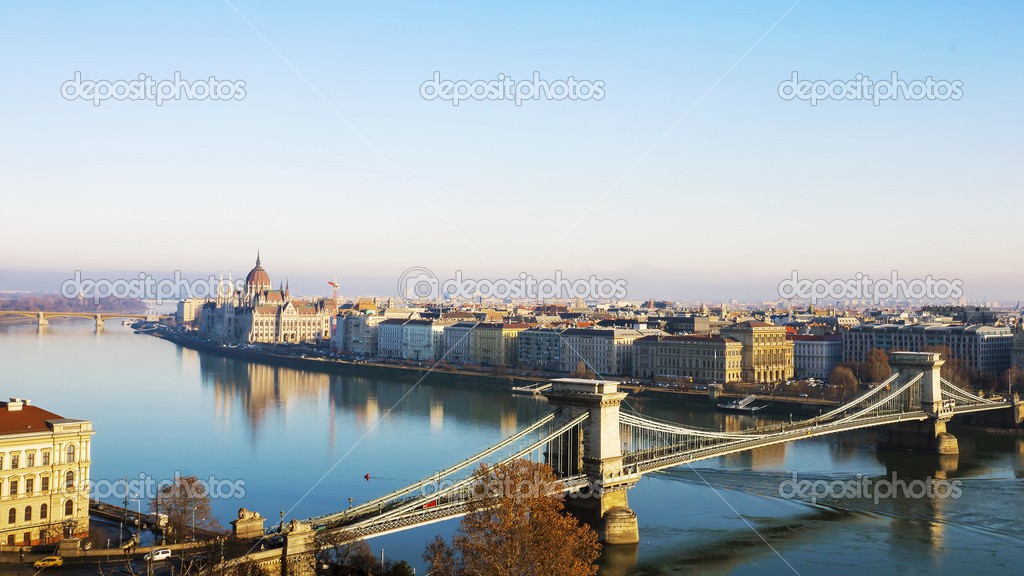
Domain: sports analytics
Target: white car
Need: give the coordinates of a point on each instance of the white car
(158, 554)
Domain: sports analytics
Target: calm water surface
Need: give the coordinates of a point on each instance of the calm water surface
(302, 441)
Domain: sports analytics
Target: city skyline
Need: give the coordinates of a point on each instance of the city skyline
(691, 176)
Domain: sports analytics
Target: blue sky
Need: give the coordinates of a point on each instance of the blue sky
(691, 177)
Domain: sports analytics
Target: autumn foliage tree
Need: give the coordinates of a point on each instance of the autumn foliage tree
(877, 365)
(185, 500)
(516, 526)
(954, 369)
(582, 371)
(843, 382)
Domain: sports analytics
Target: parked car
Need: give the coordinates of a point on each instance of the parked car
(48, 562)
(158, 554)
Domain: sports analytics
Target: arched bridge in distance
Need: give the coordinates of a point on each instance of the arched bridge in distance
(600, 450)
(43, 318)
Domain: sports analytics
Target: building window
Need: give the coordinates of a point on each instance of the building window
(69, 480)
(12, 516)
(14, 488)
(30, 485)
(28, 513)
(14, 461)
(44, 483)
(71, 453)
(30, 459)
(42, 511)
(46, 458)
(69, 507)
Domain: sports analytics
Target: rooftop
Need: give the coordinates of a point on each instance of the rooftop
(18, 416)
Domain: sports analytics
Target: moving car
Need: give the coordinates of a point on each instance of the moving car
(49, 561)
(158, 554)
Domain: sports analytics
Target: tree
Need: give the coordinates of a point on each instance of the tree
(401, 569)
(878, 365)
(955, 370)
(441, 559)
(582, 371)
(517, 525)
(842, 381)
(1012, 378)
(342, 553)
(184, 501)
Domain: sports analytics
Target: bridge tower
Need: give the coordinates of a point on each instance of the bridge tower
(597, 452)
(99, 321)
(928, 435)
(41, 319)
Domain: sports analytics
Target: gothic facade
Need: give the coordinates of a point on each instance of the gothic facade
(258, 314)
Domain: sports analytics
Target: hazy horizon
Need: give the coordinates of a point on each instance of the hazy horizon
(690, 177)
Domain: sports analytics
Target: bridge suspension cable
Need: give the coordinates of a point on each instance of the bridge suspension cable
(476, 458)
(458, 492)
(952, 392)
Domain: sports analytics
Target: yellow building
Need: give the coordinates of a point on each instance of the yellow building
(494, 344)
(44, 475)
(767, 354)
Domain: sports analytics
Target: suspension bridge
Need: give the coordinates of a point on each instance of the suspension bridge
(600, 450)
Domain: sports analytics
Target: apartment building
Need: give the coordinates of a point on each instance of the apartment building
(495, 344)
(607, 352)
(983, 348)
(691, 358)
(456, 343)
(816, 356)
(360, 334)
(539, 348)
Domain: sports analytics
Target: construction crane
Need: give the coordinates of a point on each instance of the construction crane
(334, 286)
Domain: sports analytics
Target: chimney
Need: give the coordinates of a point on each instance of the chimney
(14, 404)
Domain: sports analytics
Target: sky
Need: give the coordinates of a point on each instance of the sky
(690, 177)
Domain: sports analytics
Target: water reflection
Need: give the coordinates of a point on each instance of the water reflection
(261, 390)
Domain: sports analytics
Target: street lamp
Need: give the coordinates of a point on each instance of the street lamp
(138, 519)
(194, 523)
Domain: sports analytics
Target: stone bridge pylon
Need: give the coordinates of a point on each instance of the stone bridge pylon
(597, 452)
(924, 435)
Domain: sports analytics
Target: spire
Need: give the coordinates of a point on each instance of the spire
(257, 258)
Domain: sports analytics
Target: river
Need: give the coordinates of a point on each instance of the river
(301, 442)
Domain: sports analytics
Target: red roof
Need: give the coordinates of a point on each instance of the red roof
(28, 419)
